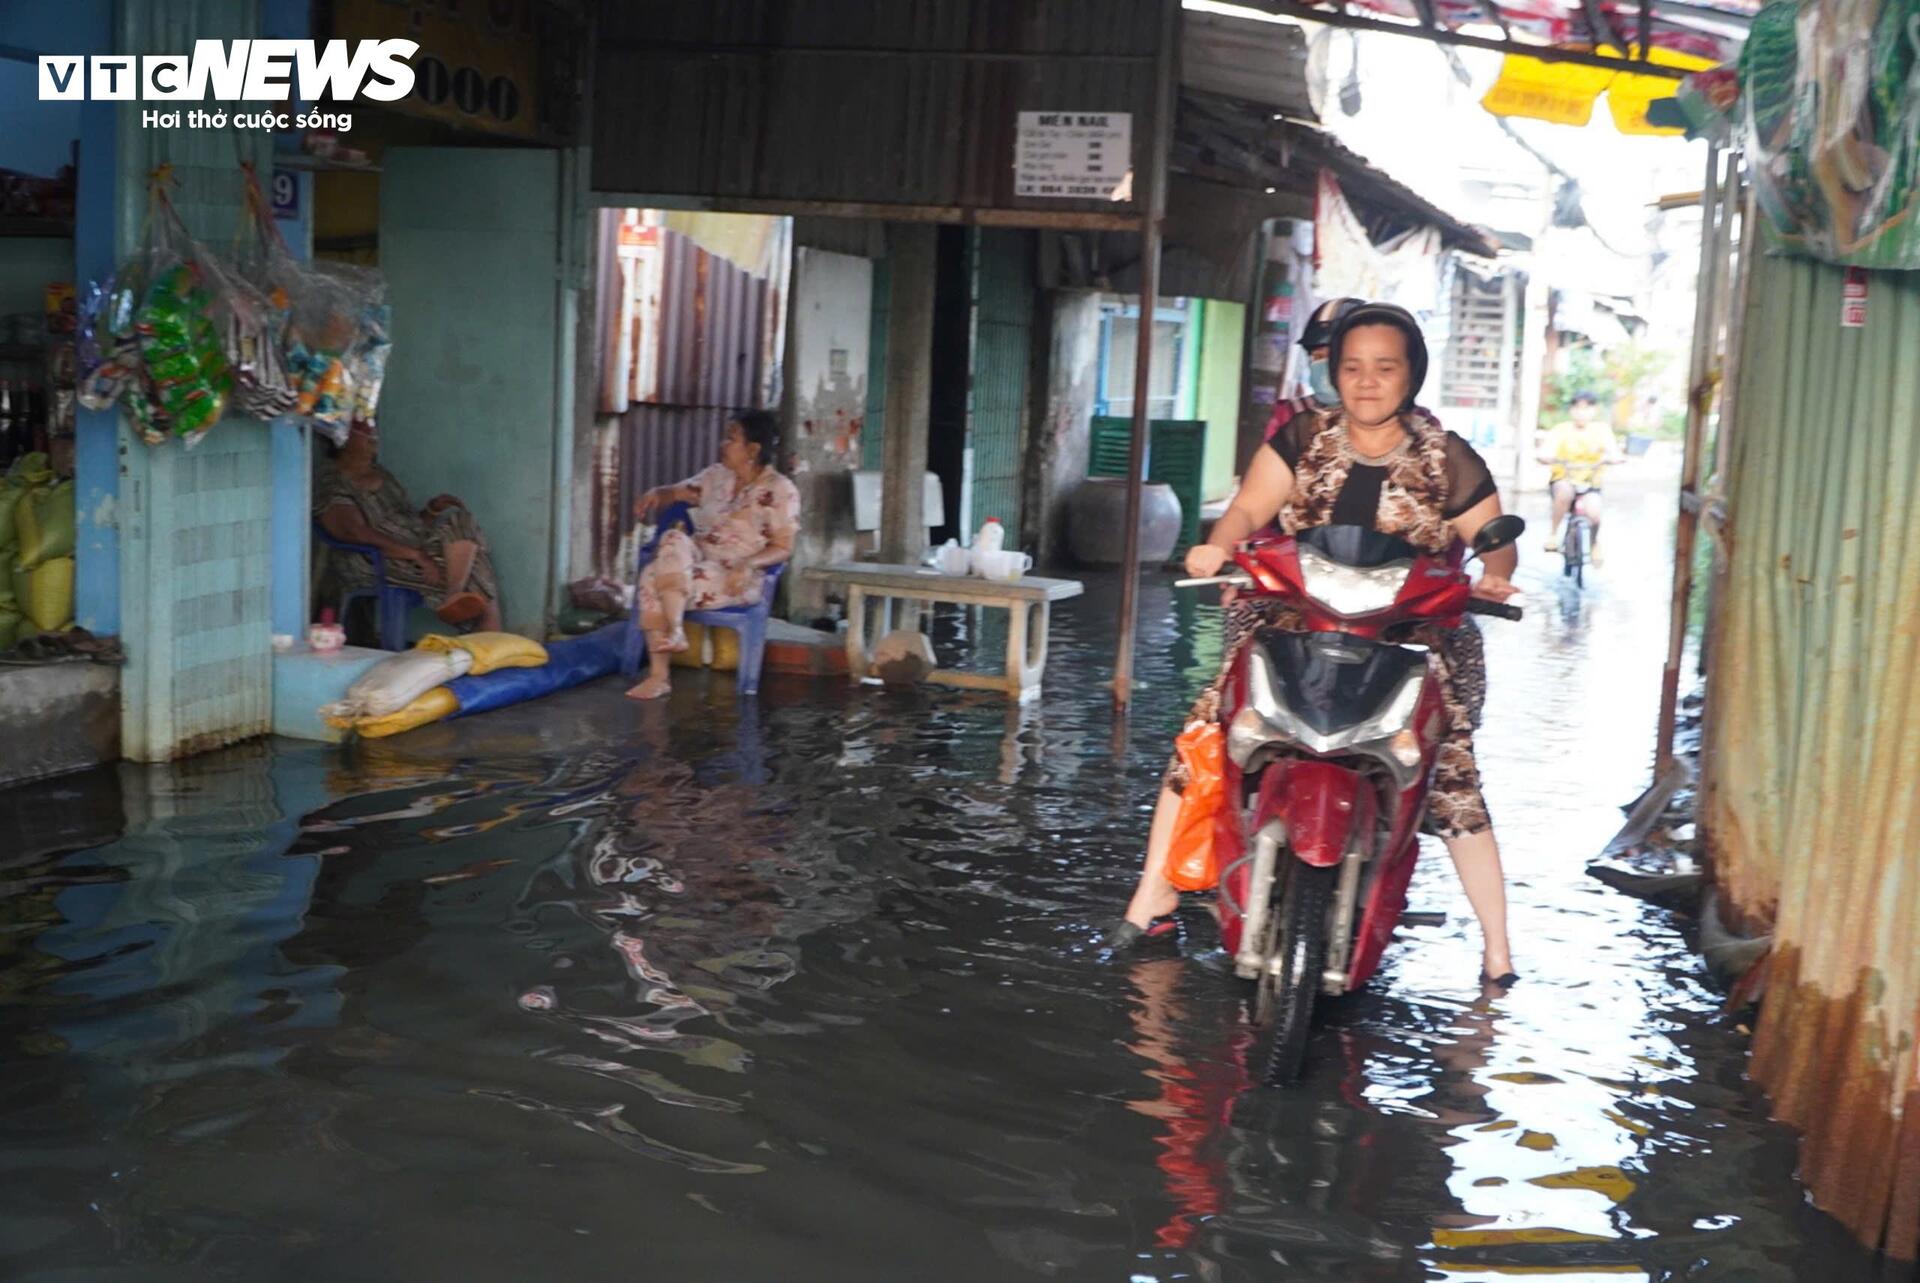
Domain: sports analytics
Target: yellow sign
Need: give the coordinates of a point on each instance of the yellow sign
(478, 64)
(1563, 93)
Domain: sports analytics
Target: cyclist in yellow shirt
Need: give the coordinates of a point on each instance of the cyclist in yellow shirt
(1579, 451)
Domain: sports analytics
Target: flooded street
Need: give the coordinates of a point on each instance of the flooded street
(813, 991)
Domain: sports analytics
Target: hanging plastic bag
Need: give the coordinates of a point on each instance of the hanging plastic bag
(104, 365)
(328, 325)
(165, 311)
(256, 330)
(1191, 865)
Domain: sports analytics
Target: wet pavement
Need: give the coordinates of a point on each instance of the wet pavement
(812, 991)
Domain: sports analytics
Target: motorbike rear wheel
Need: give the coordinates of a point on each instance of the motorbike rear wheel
(1284, 997)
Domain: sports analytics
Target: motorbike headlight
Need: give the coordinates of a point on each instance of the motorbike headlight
(1264, 719)
(1394, 721)
(1351, 591)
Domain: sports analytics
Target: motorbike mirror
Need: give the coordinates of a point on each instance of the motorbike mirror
(1499, 533)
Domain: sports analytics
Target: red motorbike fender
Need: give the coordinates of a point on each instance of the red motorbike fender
(1317, 801)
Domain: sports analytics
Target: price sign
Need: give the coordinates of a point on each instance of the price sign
(1074, 155)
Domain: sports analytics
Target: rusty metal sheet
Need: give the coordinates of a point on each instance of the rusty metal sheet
(705, 341)
(1809, 805)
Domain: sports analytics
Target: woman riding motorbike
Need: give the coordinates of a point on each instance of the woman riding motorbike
(1375, 461)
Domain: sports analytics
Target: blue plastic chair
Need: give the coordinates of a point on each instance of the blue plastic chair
(749, 621)
(391, 603)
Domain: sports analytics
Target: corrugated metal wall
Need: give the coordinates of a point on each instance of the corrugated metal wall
(1810, 806)
(1002, 357)
(855, 100)
(716, 340)
(195, 526)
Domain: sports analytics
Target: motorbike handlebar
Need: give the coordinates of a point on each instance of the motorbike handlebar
(1228, 581)
(1498, 609)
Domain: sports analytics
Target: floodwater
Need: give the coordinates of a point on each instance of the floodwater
(813, 991)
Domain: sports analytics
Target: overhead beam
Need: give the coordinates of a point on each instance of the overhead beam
(1057, 220)
(1543, 53)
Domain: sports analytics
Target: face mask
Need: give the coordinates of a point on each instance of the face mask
(1320, 379)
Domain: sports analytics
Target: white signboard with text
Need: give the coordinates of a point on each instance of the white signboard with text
(1074, 155)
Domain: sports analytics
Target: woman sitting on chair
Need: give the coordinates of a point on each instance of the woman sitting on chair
(745, 516)
(438, 551)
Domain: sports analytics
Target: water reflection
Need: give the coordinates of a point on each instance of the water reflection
(810, 989)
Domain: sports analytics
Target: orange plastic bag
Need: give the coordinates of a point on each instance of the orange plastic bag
(1191, 865)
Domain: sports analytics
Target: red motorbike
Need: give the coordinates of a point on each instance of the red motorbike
(1331, 739)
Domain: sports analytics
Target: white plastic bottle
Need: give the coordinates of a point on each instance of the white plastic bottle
(992, 536)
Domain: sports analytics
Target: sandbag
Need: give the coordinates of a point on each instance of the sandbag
(490, 650)
(695, 655)
(11, 493)
(396, 682)
(44, 523)
(715, 648)
(569, 663)
(30, 470)
(434, 705)
(44, 594)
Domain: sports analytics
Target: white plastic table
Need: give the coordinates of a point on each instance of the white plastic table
(1028, 601)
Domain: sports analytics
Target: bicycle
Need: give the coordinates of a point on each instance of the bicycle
(1576, 546)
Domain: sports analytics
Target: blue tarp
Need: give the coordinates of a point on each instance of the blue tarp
(569, 663)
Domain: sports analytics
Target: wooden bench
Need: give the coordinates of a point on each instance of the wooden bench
(1028, 601)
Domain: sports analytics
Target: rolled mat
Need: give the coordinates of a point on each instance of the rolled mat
(569, 663)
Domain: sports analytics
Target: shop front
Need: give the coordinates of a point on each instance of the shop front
(193, 544)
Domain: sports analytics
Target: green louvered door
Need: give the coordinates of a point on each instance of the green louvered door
(1002, 351)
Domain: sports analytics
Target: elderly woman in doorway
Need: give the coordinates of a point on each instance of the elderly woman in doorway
(438, 551)
(745, 517)
(1375, 460)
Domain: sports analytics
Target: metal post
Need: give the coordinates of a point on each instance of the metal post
(1718, 523)
(1716, 227)
(1252, 421)
(1153, 207)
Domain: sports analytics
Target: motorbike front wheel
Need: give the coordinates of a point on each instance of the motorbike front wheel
(1296, 949)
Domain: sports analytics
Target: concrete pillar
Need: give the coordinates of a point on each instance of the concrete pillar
(1057, 459)
(903, 523)
(827, 371)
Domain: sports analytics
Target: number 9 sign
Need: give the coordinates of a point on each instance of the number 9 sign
(284, 194)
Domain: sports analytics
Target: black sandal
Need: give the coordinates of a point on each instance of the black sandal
(1126, 935)
(1502, 983)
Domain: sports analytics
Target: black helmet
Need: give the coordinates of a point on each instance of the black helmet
(1400, 319)
(1320, 325)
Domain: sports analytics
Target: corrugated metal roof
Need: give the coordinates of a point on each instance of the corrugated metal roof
(1242, 144)
(1259, 62)
(856, 100)
(1809, 805)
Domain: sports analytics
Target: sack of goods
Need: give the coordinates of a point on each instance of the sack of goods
(36, 546)
(406, 691)
(392, 684)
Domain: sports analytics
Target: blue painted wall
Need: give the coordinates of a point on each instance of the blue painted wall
(470, 403)
(37, 137)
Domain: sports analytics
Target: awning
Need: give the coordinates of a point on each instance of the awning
(1590, 33)
(1565, 95)
(1226, 140)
